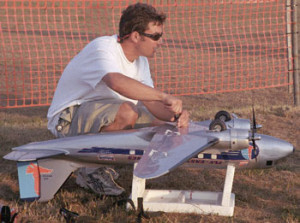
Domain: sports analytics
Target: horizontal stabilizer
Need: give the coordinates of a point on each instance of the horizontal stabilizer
(30, 155)
(168, 150)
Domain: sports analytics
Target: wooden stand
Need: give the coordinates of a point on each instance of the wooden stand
(183, 201)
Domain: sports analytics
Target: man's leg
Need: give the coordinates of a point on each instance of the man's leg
(106, 116)
(125, 118)
(146, 119)
(90, 117)
(101, 180)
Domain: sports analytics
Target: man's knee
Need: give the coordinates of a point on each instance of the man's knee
(127, 114)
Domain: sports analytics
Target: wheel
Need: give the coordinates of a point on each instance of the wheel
(223, 115)
(217, 125)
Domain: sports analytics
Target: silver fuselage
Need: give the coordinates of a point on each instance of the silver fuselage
(127, 147)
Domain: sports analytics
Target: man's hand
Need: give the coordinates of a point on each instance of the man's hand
(172, 104)
(183, 120)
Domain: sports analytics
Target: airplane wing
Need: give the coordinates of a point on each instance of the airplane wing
(168, 149)
(64, 146)
(29, 155)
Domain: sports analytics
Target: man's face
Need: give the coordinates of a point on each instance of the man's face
(148, 46)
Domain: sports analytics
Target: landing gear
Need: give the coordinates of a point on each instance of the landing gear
(217, 125)
(223, 115)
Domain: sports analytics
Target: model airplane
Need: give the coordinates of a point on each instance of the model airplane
(44, 166)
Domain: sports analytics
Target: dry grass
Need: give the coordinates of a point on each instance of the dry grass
(269, 195)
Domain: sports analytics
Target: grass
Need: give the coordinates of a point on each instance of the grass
(262, 195)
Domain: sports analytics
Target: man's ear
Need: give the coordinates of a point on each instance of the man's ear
(135, 36)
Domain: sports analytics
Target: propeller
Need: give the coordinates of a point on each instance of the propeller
(253, 138)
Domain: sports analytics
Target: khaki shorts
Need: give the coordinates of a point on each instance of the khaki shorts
(91, 116)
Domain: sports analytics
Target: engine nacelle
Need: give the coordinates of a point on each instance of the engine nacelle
(238, 123)
(231, 139)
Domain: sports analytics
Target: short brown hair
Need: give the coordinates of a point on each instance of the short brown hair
(136, 17)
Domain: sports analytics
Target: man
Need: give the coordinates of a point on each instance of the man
(108, 87)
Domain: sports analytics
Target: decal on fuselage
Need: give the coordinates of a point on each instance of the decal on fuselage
(106, 157)
(115, 151)
(244, 155)
(108, 154)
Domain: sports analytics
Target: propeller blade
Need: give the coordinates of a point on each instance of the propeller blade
(254, 121)
(253, 132)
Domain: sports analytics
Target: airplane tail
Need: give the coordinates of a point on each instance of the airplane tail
(40, 180)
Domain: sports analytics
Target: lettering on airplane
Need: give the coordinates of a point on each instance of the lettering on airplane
(133, 157)
(203, 161)
(106, 157)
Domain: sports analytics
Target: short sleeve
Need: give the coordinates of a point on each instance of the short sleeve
(146, 75)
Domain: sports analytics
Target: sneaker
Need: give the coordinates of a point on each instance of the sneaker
(114, 173)
(100, 181)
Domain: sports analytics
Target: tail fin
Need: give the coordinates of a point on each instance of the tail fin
(40, 180)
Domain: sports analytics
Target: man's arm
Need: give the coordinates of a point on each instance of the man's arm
(158, 109)
(133, 89)
(160, 112)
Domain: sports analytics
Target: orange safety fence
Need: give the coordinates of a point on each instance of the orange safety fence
(210, 46)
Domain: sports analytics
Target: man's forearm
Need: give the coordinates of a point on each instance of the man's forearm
(159, 111)
(131, 88)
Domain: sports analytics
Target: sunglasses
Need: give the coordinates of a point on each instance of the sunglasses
(154, 37)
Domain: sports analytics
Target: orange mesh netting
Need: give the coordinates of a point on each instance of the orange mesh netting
(210, 46)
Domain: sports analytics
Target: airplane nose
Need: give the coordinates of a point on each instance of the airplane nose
(272, 148)
(284, 148)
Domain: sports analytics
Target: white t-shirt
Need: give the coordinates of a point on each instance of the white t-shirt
(81, 79)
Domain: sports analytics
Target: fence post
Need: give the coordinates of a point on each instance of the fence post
(296, 50)
(289, 43)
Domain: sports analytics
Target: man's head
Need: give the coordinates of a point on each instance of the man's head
(136, 18)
